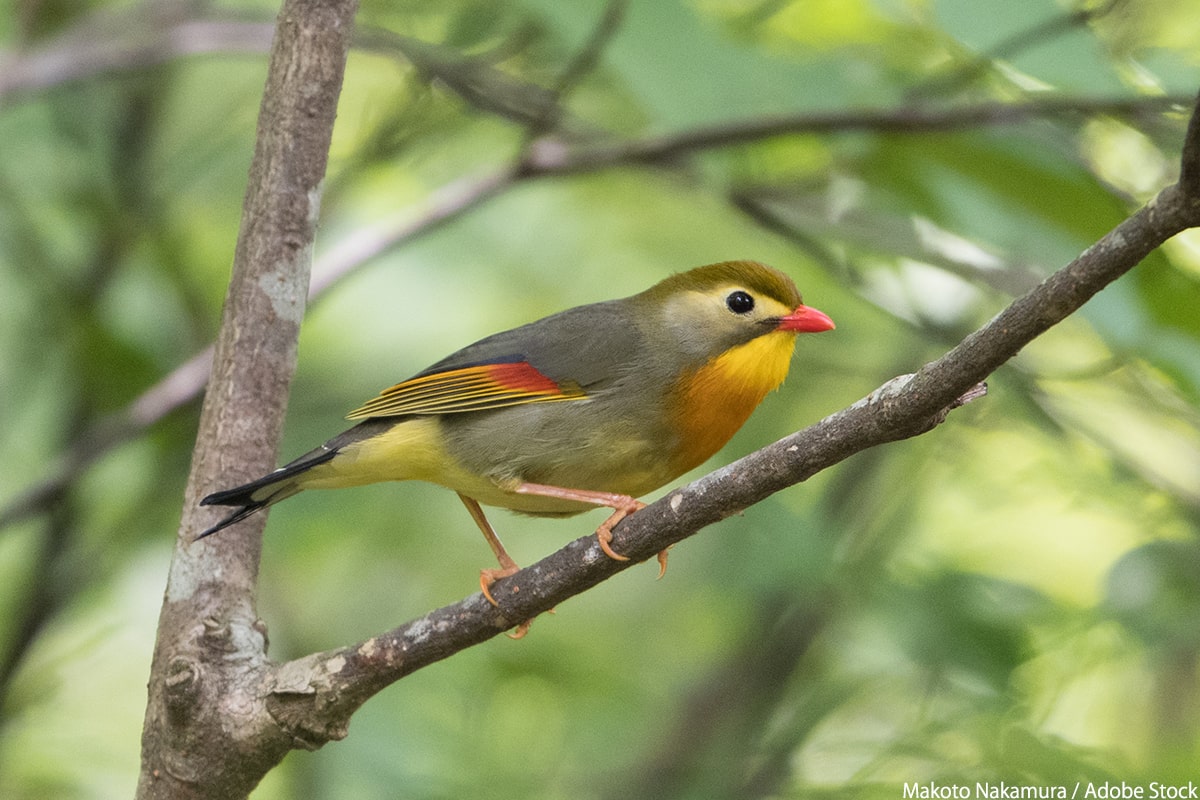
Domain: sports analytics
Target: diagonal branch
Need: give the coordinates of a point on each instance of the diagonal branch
(314, 697)
(553, 156)
(1038, 33)
(581, 65)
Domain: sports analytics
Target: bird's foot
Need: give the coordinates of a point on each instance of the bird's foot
(488, 577)
(622, 505)
(604, 534)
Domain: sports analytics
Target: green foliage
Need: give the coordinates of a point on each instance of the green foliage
(1012, 597)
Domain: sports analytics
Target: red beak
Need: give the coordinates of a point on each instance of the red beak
(806, 320)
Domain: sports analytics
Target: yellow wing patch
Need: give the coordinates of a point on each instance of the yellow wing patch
(468, 389)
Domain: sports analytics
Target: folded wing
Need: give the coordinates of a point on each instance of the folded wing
(474, 388)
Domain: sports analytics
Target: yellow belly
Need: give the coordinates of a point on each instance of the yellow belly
(412, 450)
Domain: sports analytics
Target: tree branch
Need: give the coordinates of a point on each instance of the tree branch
(581, 65)
(314, 697)
(1010, 47)
(108, 42)
(556, 157)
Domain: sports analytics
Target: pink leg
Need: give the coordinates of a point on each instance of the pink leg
(507, 566)
(622, 505)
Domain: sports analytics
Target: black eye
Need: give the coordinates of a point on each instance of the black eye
(739, 302)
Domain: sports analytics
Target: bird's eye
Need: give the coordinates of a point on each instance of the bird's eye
(739, 302)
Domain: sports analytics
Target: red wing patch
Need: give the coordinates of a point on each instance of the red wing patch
(468, 389)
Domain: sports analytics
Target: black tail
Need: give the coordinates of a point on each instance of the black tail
(279, 485)
(265, 491)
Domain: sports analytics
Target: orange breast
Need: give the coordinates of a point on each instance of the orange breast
(713, 402)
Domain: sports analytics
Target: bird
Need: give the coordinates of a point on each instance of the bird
(594, 406)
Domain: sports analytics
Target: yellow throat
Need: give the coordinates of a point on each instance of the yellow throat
(717, 399)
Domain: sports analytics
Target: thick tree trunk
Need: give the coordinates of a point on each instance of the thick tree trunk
(207, 732)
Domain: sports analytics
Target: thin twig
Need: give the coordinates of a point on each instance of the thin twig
(550, 156)
(442, 207)
(1009, 47)
(583, 63)
(481, 85)
(81, 53)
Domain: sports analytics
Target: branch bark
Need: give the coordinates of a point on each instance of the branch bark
(202, 737)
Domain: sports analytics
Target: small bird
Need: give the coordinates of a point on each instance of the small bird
(590, 407)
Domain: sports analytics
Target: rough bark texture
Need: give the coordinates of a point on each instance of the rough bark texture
(206, 733)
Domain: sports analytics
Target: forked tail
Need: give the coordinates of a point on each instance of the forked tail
(267, 490)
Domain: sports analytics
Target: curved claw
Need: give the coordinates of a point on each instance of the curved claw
(662, 563)
(487, 577)
(604, 532)
(604, 537)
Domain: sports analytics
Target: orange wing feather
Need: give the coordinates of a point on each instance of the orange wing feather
(475, 388)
